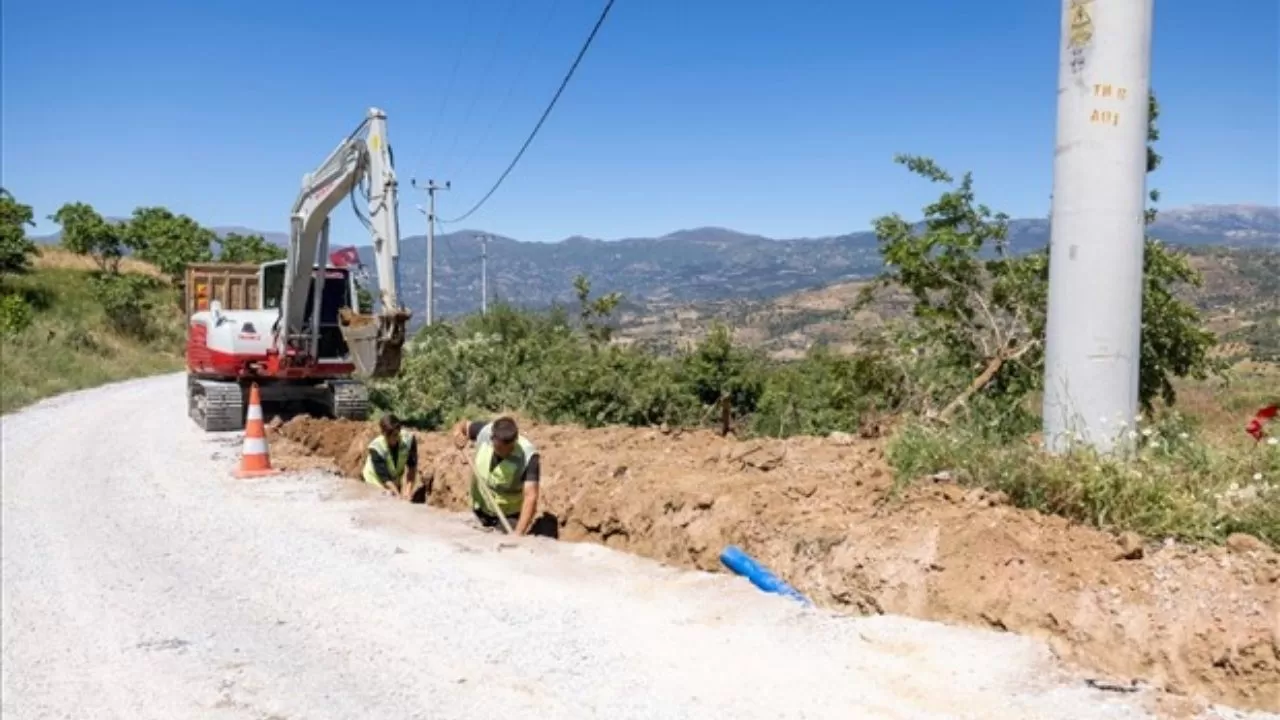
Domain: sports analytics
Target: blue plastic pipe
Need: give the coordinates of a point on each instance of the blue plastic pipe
(743, 564)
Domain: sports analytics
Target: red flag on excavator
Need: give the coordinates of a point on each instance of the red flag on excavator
(345, 257)
(1254, 427)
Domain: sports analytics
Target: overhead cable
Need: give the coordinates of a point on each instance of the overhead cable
(550, 106)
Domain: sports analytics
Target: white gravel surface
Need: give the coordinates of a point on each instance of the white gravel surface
(140, 580)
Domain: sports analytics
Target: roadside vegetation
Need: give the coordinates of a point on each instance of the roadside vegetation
(66, 339)
(955, 386)
(103, 306)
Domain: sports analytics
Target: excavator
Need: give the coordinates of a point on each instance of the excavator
(298, 331)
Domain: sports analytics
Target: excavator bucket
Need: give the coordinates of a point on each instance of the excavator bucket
(376, 342)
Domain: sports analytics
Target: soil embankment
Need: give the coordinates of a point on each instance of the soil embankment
(1194, 621)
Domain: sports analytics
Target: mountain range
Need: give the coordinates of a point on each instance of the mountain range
(712, 263)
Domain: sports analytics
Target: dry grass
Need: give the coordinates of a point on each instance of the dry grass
(1220, 409)
(53, 258)
(71, 343)
(1197, 476)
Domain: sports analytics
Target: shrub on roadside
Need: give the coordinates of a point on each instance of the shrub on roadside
(127, 303)
(825, 392)
(15, 313)
(535, 363)
(1179, 485)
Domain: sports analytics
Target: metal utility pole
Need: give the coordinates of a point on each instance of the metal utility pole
(1094, 333)
(484, 274)
(430, 212)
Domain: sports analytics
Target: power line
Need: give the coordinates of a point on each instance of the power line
(520, 73)
(550, 106)
(444, 97)
(480, 82)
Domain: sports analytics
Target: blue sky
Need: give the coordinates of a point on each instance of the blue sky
(768, 117)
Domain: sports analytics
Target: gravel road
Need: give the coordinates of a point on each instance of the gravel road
(141, 581)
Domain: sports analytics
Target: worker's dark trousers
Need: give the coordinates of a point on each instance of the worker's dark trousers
(491, 521)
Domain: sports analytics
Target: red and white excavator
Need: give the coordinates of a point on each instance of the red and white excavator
(293, 326)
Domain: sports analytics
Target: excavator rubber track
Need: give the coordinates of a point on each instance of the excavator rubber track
(215, 406)
(350, 400)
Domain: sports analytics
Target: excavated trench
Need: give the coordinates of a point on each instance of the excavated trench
(1192, 621)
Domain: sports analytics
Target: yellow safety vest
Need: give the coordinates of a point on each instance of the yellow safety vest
(505, 477)
(395, 463)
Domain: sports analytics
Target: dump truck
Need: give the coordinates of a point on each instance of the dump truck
(294, 326)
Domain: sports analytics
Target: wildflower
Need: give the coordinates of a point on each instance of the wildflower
(1257, 476)
(1183, 436)
(1146, 432)
(1273, 441)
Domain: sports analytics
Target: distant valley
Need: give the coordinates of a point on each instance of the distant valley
(1239, 301)
(717, 264)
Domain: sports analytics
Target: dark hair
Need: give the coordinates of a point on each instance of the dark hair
(505, 430)
(389, 424)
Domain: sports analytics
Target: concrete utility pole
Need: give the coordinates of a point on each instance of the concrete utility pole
(1094, 334)
(484, 274)
(430, 212)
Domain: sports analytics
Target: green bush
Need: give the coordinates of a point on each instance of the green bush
(826, 392)
(127, 302)
(15, 313)
(541, 364)
(535, 363)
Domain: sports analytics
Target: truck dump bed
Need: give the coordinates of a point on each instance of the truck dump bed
(235, 285)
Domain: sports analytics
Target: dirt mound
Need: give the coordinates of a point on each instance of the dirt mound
(341, 441)
(821, 513)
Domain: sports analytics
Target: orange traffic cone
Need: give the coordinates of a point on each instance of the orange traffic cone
(254, 459)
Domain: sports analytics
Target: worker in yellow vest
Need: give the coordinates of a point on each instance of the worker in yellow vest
(508, 463)
(391, 461)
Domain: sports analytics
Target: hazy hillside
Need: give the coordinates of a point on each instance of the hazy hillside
(718, 264)
(1240, 300)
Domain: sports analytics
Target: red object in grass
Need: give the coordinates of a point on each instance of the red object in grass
(1254, 427)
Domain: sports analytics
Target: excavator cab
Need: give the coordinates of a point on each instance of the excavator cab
(375, 342)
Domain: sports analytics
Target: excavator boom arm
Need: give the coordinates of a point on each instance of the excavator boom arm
(363, 158)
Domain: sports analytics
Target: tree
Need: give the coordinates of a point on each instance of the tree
(85, 232)
(594, 314)
(983, 318)
(16, 248)
(168, 241)
(1174, 344)
(236, 248)
(722, 375)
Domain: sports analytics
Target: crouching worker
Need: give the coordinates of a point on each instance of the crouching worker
(508, 464)
(391, 461)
